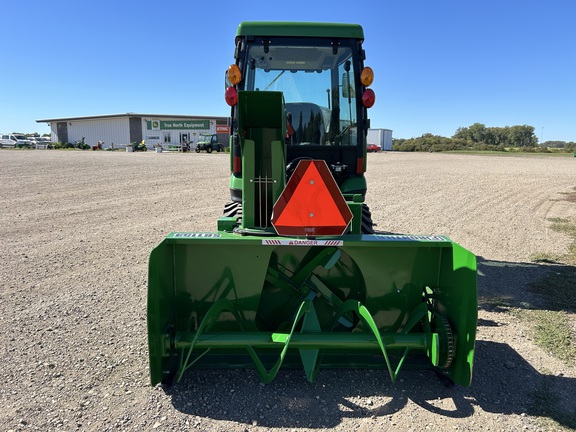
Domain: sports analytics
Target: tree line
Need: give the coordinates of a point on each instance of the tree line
(482, 138)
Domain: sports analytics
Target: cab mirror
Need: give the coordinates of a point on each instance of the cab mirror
(348, 90)
(227, 82)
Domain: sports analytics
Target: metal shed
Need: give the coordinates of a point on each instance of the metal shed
(380, 137)
(120, 130)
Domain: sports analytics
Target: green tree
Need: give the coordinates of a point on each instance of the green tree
(522, 136)
(473, 134)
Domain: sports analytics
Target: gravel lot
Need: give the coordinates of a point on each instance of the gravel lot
(76, 230)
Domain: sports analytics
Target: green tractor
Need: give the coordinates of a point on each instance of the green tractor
(208, 142)
(295, 276)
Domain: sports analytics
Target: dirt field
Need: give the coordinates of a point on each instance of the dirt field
(75, 233)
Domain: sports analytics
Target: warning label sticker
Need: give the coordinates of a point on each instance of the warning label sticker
(401, 237)
(195, 235)
(303, 242)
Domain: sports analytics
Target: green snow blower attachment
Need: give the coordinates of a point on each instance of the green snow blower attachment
(295, 276)
(218, 300)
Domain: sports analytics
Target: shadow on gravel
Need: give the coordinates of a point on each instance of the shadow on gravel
(503, 383)
(525, 285)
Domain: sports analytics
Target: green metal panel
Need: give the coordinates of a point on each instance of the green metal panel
(354, 184)
(223, 300)
(328, 30)
(262, 122)
(248, 192)
(278, 165)
(356, 224)
(261, 110)
(235, 182)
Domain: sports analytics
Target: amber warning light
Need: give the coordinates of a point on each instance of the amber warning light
(234, 76)
(311, 204)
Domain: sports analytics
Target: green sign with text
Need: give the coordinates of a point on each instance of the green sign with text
(177, 124)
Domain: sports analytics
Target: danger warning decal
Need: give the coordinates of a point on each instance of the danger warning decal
(293, 242)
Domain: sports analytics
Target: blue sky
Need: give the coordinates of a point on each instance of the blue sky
(439, 65)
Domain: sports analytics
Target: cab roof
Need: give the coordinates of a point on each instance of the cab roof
(300, 29)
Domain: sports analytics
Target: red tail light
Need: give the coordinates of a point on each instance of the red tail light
(231, 96)
(368, 98)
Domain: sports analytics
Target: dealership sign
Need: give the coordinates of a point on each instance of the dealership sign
(177, 124)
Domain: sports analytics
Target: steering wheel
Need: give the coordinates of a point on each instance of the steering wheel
(291, 167)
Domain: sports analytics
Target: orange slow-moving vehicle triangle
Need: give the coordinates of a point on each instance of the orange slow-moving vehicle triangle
(311, 204)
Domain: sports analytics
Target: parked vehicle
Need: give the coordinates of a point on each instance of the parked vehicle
(7, 141)
(372, 148)
(43, 141)
(15, 140)
(209, 142)
(22, 141)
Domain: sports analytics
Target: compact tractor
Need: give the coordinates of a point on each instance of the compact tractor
(295, 276)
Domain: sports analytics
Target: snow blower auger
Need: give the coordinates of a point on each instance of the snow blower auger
(295, 275)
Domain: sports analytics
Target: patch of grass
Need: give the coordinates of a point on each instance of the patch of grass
(509, 152)
(567, 227)
(557, 220)
(558, 287)
(564, 226)
(572, 253)
(553, 329)
(554, 326)
(544, 257)
(569, 196)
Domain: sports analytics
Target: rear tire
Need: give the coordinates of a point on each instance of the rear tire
(234, 209)
(367, 224)
(209, 149)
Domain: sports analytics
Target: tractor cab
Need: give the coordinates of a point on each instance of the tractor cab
(319, 69)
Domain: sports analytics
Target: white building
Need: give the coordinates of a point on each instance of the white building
(380, 137)
(123, 129)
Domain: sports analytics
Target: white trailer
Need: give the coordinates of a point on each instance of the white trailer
(380, 137)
